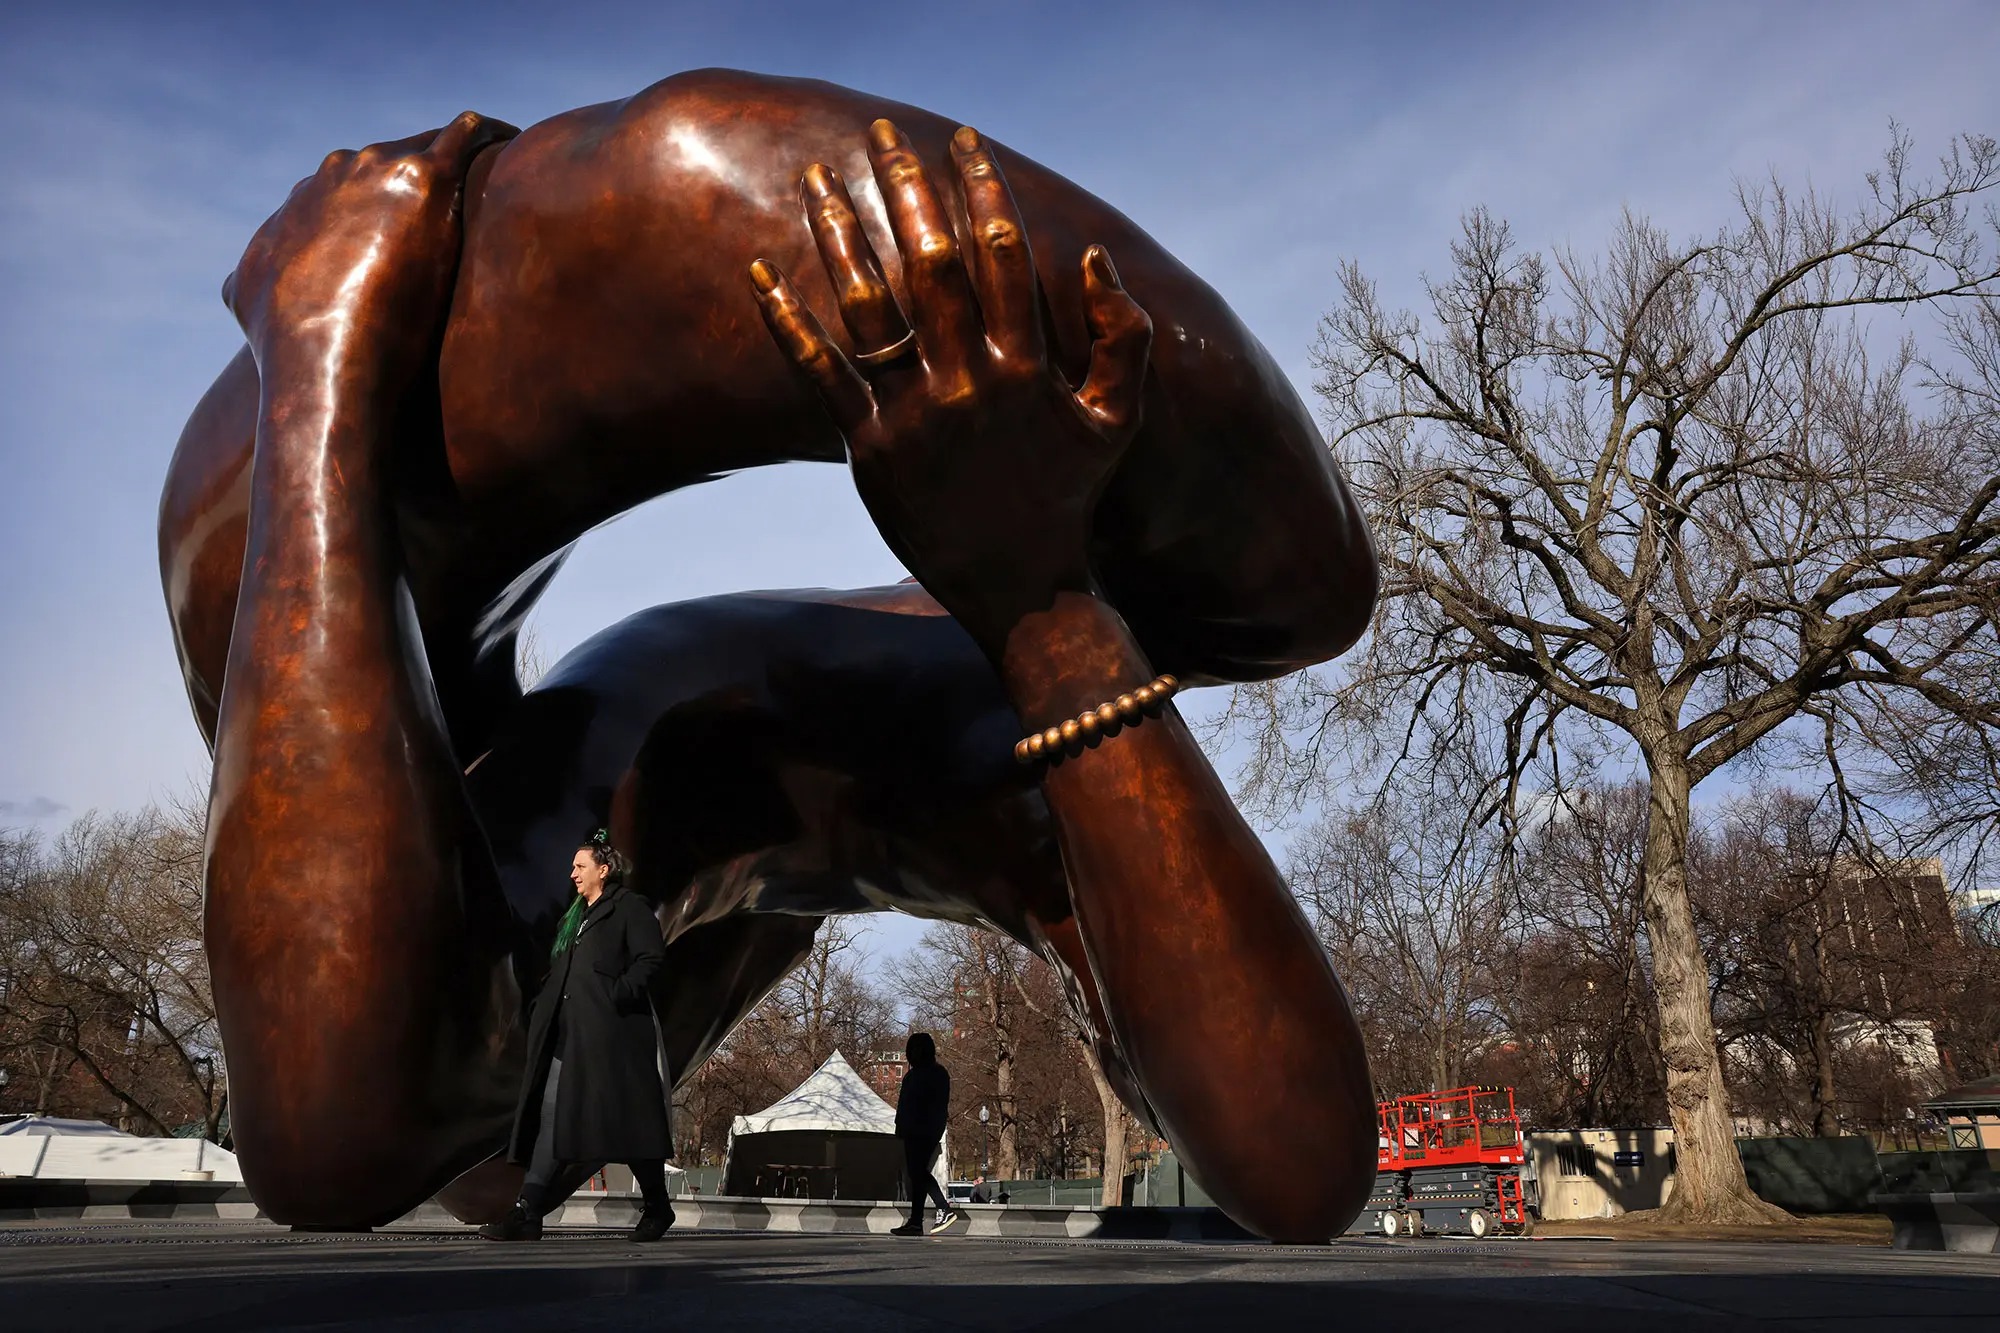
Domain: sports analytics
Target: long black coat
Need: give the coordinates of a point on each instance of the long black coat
(616, 1093)
(924, 1104)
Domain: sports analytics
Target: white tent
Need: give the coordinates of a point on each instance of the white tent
(830, 1137)
(833, 1097)
(51, 1124)
(56, 1149)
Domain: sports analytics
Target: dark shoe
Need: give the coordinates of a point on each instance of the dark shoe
(519, 1224)
(946, 1221)
(908, 1229)
(652, 1225)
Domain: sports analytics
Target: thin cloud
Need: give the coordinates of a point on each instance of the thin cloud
(35, 807)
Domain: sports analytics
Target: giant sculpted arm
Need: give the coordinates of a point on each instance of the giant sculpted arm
(982, 466)
(355, 935)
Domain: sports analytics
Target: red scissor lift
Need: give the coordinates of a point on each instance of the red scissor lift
(1448, 1162)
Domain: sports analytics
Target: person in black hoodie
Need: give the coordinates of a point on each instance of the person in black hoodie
(597, 1088)
(921, 1110)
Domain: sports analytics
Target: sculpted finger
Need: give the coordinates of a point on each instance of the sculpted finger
(867, 306)
(1121, 339)
(943, 308)
(332, 164)
(411, 145)
(803, 340)
(1003, 267)
(465, 138)
(242, 287)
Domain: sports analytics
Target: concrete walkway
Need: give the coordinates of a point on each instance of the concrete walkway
(223, 1276)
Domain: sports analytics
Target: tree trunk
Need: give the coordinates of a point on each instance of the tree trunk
(47, 1082)
(1114, 1130)
(1826, 1122)
(1006, 1161)
(1709, 1184)
(1007, 1149)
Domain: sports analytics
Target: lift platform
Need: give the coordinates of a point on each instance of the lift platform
(1448, 1163)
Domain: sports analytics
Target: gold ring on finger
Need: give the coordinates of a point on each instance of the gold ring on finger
(882, 356)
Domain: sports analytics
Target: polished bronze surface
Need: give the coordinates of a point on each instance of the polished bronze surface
(465, 349)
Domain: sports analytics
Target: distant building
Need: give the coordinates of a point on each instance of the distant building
(1889, 923)
(1971, 1113)
(1974, 900)
(1584, 1173)
(883, 1072)
(1872, 950)
(1911, 1043)
(1882, 918)
(1895, 922)
(966, 998)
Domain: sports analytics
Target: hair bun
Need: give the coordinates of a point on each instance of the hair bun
(602, 837)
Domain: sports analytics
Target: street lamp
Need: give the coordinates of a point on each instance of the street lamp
(985, 1161)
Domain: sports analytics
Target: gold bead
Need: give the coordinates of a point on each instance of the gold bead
(1052, 741)
(1036, 744)
(1087, 724)
(1169, 684)
(1072, 730)
(1021, 755)
(1128, 707)
(1107, 718)
(1144, 694)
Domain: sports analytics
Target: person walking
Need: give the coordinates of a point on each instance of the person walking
(597, 1087)
(921, 1110)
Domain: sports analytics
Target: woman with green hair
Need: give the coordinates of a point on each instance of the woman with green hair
(597, 1088)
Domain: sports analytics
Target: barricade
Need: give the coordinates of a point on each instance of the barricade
(28, 1198)
(1809, 1175)
(1964, 1223)
(178, 1200)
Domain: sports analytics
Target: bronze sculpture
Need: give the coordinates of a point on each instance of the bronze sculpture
(465, 349)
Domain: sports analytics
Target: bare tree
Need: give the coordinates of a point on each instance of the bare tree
(1055, 1058)
(106, 997)
(1055, 1067)
(531, 658)
(1411, 902)
(1969, 1035)
(1017, 1043)
(1115, 1122)
(1761, 884)
(1577, 991)
(968, 980)
(1827, 957)
(828, 1002)
(1680, 496)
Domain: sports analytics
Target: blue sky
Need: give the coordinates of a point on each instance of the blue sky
(1262, 143)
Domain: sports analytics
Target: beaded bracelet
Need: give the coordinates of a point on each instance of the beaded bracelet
(1068, 738)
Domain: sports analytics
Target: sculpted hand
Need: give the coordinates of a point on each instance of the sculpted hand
(359, 260)
(980, 465)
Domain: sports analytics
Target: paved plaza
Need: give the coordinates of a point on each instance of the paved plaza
(209, 1276)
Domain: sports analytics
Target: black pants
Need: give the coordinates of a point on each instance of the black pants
(544, 1170)
(917, 1159)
